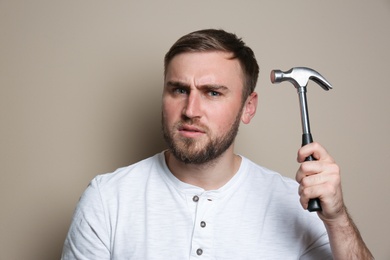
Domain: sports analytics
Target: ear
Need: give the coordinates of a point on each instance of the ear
(249, 109)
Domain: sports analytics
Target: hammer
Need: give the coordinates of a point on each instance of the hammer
(299, 77)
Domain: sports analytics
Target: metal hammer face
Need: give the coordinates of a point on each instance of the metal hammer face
(299, 77)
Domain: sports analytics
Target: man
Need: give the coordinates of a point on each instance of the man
(200, 200)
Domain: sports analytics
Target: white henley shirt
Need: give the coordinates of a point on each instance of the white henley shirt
(144, 212)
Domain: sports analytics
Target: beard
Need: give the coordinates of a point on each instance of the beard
(191, 151)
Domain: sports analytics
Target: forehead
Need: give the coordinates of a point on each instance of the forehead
(205, 68)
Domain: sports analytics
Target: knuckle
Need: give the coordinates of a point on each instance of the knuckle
(305, 182)
(300, 190)
(305, 167)
(332, 191)
(316, 145)
(306, 192)
(335, 171)
(335, 168)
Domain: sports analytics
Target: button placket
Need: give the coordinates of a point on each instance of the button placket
(202, 241)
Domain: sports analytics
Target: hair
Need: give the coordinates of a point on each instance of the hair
(219, 40)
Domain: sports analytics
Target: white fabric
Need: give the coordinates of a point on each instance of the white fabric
(144, 212)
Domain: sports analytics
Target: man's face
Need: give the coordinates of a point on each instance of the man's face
(202, 105)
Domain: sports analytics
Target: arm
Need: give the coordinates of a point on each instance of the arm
(88, 237)
(321, 179)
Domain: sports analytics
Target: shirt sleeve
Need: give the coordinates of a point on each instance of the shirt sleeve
(88, 236)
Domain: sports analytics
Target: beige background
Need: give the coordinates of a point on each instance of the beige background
(80, 95)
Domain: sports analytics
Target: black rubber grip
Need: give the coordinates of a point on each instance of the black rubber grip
(314, 204)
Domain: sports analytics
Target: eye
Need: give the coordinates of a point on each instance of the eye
(214, 93)
(179, 91)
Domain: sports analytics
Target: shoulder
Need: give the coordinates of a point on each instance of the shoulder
(258, 173)
(124, 184)
(270, 186)
(127, 181)
(135, 172)
(265, 186)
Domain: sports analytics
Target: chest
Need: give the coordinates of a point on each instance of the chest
(174, 226)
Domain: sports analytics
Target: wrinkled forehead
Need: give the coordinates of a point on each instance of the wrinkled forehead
(168, 61)
(205, 68)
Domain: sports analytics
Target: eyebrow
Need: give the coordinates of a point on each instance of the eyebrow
(177, 84)
(214, 87)
(205, 86)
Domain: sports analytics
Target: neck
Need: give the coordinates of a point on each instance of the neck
(209, 176)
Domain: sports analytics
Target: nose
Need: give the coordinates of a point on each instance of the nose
(192, 106)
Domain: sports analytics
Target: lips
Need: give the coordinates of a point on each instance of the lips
(190, 131)
(190, 128)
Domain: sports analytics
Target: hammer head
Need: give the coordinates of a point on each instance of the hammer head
(299, 77)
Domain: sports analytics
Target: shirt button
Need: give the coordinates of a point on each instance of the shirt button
(203, 224)
(195, 198)
(199, 251)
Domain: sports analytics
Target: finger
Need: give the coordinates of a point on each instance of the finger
(325, 186)
(306, 194)
(314, 180)
(317, 172)
(329, 195)
(308, 184)
(315, 149)
(322, 191)
(309, 168)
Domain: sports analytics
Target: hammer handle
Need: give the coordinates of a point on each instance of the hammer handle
(314, 204)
